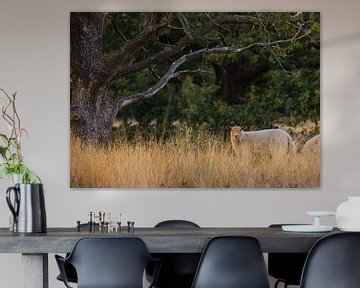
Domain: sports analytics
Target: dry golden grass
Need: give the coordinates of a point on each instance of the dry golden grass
(302, 132)
(187, 163)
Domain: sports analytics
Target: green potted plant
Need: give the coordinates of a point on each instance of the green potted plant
(11, 159)
(25, 197)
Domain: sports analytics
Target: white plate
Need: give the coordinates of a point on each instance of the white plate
(350, 229)
(321, 213)
(306, 228)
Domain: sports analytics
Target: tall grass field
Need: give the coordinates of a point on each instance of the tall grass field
(185, 162)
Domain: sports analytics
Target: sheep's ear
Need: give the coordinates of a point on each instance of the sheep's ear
(229, 128)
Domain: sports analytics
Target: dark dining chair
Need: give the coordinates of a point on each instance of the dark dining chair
(178, 269)
(108, 263)
(70, 271)
(286, 267)
(333, 262)
(232, 262)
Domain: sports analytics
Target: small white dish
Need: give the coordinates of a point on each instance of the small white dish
(316, 227)
(321, 213)
(350, 229)
(306, 228)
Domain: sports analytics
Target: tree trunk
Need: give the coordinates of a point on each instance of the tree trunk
(92, 113)
(92, 122)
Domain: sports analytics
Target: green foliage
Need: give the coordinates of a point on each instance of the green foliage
(27, 175)
(278, 93)
(202, 109)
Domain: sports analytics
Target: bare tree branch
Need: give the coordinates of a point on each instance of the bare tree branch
(124, 38)
(113, 70)
(171, 73)
(14, 124)
(117, 29)
(185, 25)
(179, 45)
(157, 21)
(177, 74)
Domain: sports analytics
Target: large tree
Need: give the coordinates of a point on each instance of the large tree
(94, 108)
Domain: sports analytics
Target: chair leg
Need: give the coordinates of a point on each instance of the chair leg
(278, 282)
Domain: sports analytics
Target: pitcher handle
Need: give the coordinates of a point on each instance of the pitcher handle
(13, 208)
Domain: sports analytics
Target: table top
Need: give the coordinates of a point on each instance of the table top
(158, 240)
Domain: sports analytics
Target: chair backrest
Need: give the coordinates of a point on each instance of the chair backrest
(110, 262)
(178, 269)
(232, 262)
(333, 262)
(176, 224)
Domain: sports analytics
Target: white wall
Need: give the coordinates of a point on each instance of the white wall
(34, 61)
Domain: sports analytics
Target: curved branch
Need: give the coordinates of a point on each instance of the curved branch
(114, 71)
(171, 73)
(178, 46)
(177, 74)
(157, 21)
(117, 29)
(185, 25)
(124, 39)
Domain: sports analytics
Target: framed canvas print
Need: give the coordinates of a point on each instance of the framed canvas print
(195, 100)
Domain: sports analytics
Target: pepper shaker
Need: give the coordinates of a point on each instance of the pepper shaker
(78, 226)
(90, 221)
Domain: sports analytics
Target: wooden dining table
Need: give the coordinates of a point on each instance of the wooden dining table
(35, 247)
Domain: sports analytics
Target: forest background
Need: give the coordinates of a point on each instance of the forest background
(260, 88)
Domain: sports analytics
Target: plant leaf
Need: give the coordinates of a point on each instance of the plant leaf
(27, 133)
(4, 173)
(4, 137)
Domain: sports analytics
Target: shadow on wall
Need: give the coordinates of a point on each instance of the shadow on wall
(340, 120)
(344, 39)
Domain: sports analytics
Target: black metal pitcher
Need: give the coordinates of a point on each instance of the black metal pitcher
(28, 208)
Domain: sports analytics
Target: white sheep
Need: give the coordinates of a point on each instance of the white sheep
(313, 145)
(270, 139)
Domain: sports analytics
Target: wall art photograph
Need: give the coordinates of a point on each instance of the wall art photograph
(195, 100)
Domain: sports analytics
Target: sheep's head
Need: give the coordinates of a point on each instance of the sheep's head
(236, 132)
